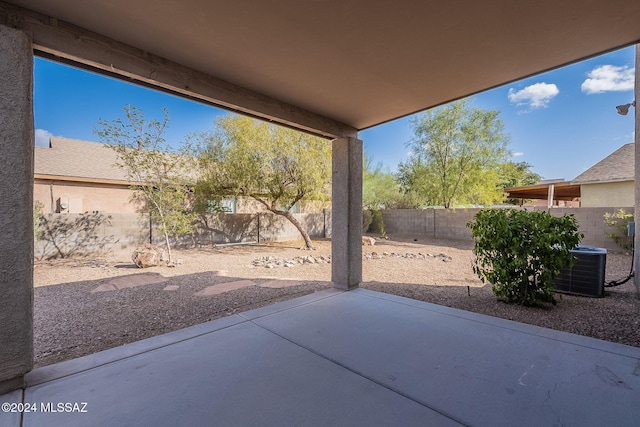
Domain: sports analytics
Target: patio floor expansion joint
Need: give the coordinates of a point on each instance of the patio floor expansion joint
(362, 375)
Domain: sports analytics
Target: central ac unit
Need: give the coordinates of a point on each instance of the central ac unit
(586, 277)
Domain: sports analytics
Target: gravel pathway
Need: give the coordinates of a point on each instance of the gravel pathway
(91, 304)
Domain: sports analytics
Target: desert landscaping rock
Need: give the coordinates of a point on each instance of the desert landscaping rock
(274, 262)
(70, 321)
(368, 241)
(147, 255)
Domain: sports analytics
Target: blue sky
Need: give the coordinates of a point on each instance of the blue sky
(561, 122)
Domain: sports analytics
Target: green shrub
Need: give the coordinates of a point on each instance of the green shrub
(618, 222)
(378, 222)
(521, 252)
(38, 207)
(367, 219)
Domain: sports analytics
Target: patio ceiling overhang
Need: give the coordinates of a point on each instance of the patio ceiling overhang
(330, 67)
(561, 191)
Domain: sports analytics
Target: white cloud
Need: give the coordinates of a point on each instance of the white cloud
(517, 154)
(609, 78)
(535, 96)
(42, 137)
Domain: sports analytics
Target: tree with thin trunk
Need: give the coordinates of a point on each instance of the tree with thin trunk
(455, 156)
(162, 175)
(276, 166)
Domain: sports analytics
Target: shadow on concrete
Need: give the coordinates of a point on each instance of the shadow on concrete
(347, 358)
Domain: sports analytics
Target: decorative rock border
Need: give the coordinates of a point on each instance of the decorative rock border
(408, 255)
(275, 262)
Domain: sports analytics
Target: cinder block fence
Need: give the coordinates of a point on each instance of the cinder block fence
(64, 235)
(96, 232)
(452, 223)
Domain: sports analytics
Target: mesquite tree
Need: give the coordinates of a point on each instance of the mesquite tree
(274, 165)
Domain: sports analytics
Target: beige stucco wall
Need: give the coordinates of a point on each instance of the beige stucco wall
(83, 197)
(16, 239)
(88, 197)
(607, 194)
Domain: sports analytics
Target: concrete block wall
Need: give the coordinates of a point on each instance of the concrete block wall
(218, 228)
(591, 221)
(126, 230)
(65, 235)
(452, 224)
(278, 228)
(409, 221)
(100, 232)
(439, 223)
(327, 223)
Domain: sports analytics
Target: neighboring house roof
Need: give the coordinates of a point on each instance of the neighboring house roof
(618, 166)
(83, 161)
(74, 160)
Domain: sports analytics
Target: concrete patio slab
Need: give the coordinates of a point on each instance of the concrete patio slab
(478, 369)
(347, 358)
(10, 415)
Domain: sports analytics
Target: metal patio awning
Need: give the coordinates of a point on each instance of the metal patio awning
(545, 191)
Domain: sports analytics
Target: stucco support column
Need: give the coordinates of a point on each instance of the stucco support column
(636, 239)
(346, 215)
(16, 208)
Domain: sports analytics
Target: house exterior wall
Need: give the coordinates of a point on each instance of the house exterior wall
(89, 197)
(608, 194)
(83, 197)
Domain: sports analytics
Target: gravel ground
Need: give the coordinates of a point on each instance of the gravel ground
(71, 321)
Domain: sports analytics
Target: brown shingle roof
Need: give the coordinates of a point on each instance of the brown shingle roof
(78, 159)
(618, 166)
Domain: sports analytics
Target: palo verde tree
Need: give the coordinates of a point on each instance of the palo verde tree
(380, 190)
(455, 155)
(274, 165)
(161, 173)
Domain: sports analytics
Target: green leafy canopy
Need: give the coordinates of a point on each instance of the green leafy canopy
(455, 156)
(274, 165)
